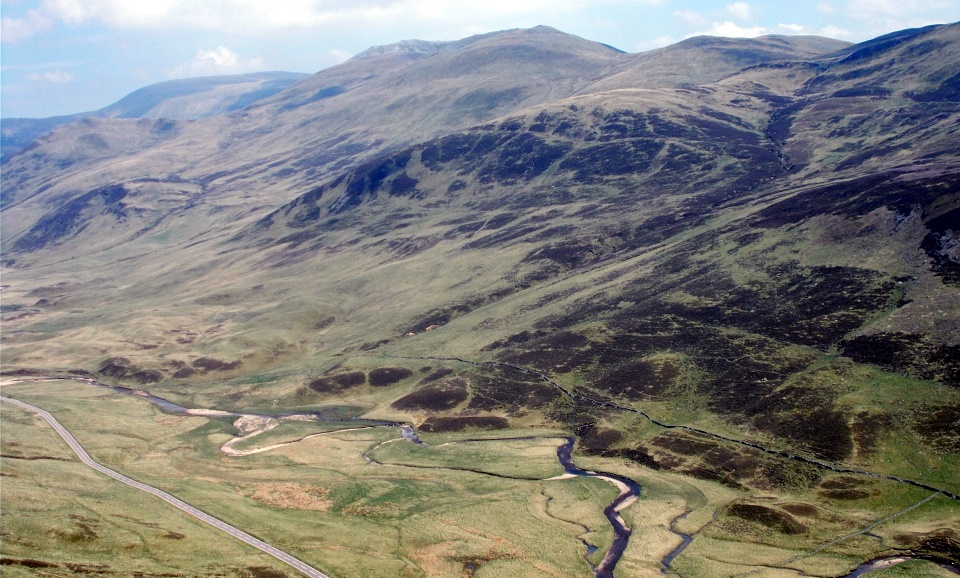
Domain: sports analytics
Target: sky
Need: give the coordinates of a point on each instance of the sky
(67, 56)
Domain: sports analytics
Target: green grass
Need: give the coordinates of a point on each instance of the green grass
(289, 431)
(529, 459)
(60, 512)
(381, 520)
(913, 569)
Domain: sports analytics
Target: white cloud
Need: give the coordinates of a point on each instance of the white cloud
(658, 42)
(880, 16)
(874, 8)
(732, 30)
(832, 31)
(246, 16)
(794, 28)
(691, 18)
(340, 55)
(739, 10)
(263, 14)
(17, 29)
(868, 18)
(53, 77)
(218, 61)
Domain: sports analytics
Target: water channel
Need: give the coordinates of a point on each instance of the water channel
(629, 489)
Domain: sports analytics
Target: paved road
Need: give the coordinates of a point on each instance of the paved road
(235, 532)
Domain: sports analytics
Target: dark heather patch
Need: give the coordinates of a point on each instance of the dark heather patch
(571, 253)
(500, 220)
(771, 518)
(28, 563)
(844, 488)
(184, 372)
(818, 428)
(502, 389)
(146, 376)
(514, 339)
(942, 545)
(439, 396)
(435, 375)
(550, 353)
(73, 217)
(335, 382)
(909, 353)
(456, 186)
(600, 439)
(403, 185)
(405, 247)
(841, 483)
(322, 94)
(938, 427)
(939, 244)
(383, 376)
(806, 305)
(641, 379)
(438, 153)
(116, 367)
(265, 572)
(947, 91)
(846, 494)
(467, 229)
(806, 510)
(683, 444)
(615, 158)
(867, 430)
(452, 423)
(479, 103)
(858, 197)
(638, 454)
(211, 364)
(366, 181)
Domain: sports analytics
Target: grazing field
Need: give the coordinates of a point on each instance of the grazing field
(451, 507)
(321, 500)
(61, 518)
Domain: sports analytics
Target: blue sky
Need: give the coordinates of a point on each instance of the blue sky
(67, 56)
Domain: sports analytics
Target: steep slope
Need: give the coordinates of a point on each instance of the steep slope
(186, 99)
(338, 118)
(271, 151)
(593, 180)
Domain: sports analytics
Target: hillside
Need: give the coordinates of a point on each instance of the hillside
(186, 99)
(732, 263)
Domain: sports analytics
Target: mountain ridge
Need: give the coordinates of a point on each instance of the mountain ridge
(184, 99)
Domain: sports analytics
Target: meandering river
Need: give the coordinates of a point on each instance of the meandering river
(629, 490)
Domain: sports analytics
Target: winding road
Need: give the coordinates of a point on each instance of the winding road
(175, 502)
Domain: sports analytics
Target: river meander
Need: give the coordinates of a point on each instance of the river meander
(629, 490)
